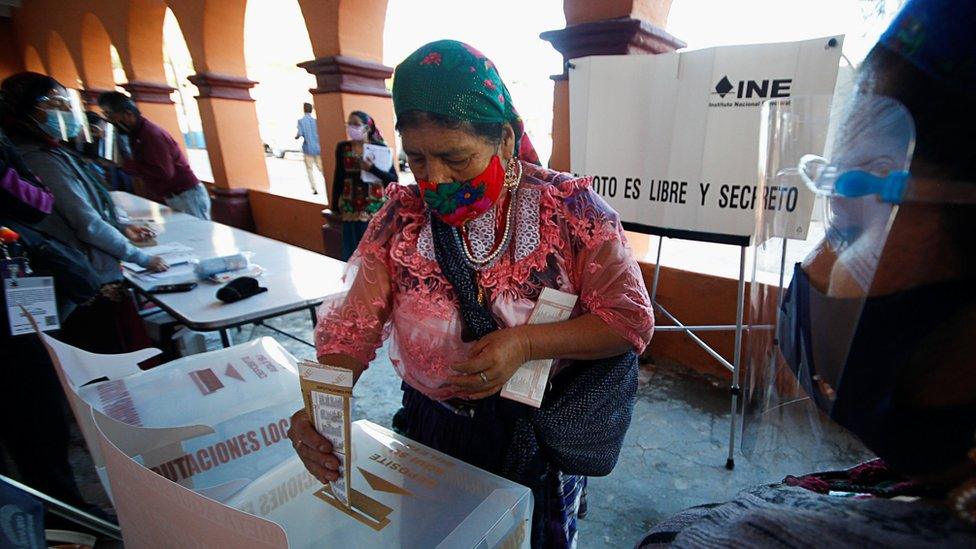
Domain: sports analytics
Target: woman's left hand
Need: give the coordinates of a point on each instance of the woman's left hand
(366, 165)
(494, 357)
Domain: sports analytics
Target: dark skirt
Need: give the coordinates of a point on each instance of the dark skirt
(482, 439)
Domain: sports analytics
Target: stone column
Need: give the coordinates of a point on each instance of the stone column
(230, 127)
(345, 84)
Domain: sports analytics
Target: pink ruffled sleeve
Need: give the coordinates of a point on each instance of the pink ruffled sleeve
(352, 323)
(609, 279)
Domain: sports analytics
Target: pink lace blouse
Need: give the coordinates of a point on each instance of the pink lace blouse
(565, 237)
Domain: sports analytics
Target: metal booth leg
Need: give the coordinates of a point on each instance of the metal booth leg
(736, 390)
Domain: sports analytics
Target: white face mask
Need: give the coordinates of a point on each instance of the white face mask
(356, 133)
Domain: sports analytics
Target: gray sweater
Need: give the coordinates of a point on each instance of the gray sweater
(83, 214)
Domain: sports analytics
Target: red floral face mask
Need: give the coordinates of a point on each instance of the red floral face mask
(457, 202)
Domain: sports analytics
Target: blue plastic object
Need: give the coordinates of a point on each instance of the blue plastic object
(858, 183)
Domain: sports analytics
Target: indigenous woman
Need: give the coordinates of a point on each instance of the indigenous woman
(450, 271)
(358, 187)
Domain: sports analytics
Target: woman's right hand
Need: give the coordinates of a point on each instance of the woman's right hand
(157, 264)
(314, 450)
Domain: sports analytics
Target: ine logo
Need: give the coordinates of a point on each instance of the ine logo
(774, 88)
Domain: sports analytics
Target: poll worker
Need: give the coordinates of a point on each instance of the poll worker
(39, 117)
(156, 158)
(451, 269)
(878, 325)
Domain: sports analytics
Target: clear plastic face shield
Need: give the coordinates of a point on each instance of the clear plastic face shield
(802, 328)
(108, 145)
(64, 116)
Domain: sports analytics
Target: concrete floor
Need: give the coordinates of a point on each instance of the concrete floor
(673, 456)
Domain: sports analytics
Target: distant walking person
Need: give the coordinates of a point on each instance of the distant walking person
(309, 133)
(156, 158)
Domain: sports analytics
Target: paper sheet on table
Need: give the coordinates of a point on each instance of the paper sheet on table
(180, 273)
(528, 384)
(174, 254)
(381, 156)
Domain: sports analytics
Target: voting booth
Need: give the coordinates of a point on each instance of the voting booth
(672, 142)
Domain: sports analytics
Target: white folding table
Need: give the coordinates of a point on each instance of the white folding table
(297, 279)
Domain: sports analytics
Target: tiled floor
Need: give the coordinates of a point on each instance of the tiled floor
(673, 457)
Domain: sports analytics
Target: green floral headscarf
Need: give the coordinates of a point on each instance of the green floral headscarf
(453, 79)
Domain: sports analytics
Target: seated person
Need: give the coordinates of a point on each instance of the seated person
(38, 119)
(84, 213)
(901, 276)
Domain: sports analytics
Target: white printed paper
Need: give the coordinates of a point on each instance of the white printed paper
(173, 275)
(528, 384)
(328, 394)
(330, 418)
(174, 254)
(381, 156)
(36, 295)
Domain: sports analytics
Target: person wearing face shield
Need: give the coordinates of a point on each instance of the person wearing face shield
(39, 117)
(156, 158)
(876, 331)
(355, 199)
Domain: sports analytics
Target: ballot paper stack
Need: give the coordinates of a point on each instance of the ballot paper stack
(528, 384)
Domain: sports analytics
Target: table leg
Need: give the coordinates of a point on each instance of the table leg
(225, 338)
(315, 318)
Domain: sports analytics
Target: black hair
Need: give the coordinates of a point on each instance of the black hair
(114, 101)
(944, 115)
(22, 90)
(374, 135)
(307, 107)
(491, 132)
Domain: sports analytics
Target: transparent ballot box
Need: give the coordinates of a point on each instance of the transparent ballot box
(403, 495)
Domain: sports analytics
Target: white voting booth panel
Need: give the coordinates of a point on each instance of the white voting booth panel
(76, 367)
(216, 446)
(684, 160)
(154, 512)
(233, 406)
(684, 154)
(403, 495)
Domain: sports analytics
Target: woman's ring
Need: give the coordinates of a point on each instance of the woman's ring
(483, 377)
